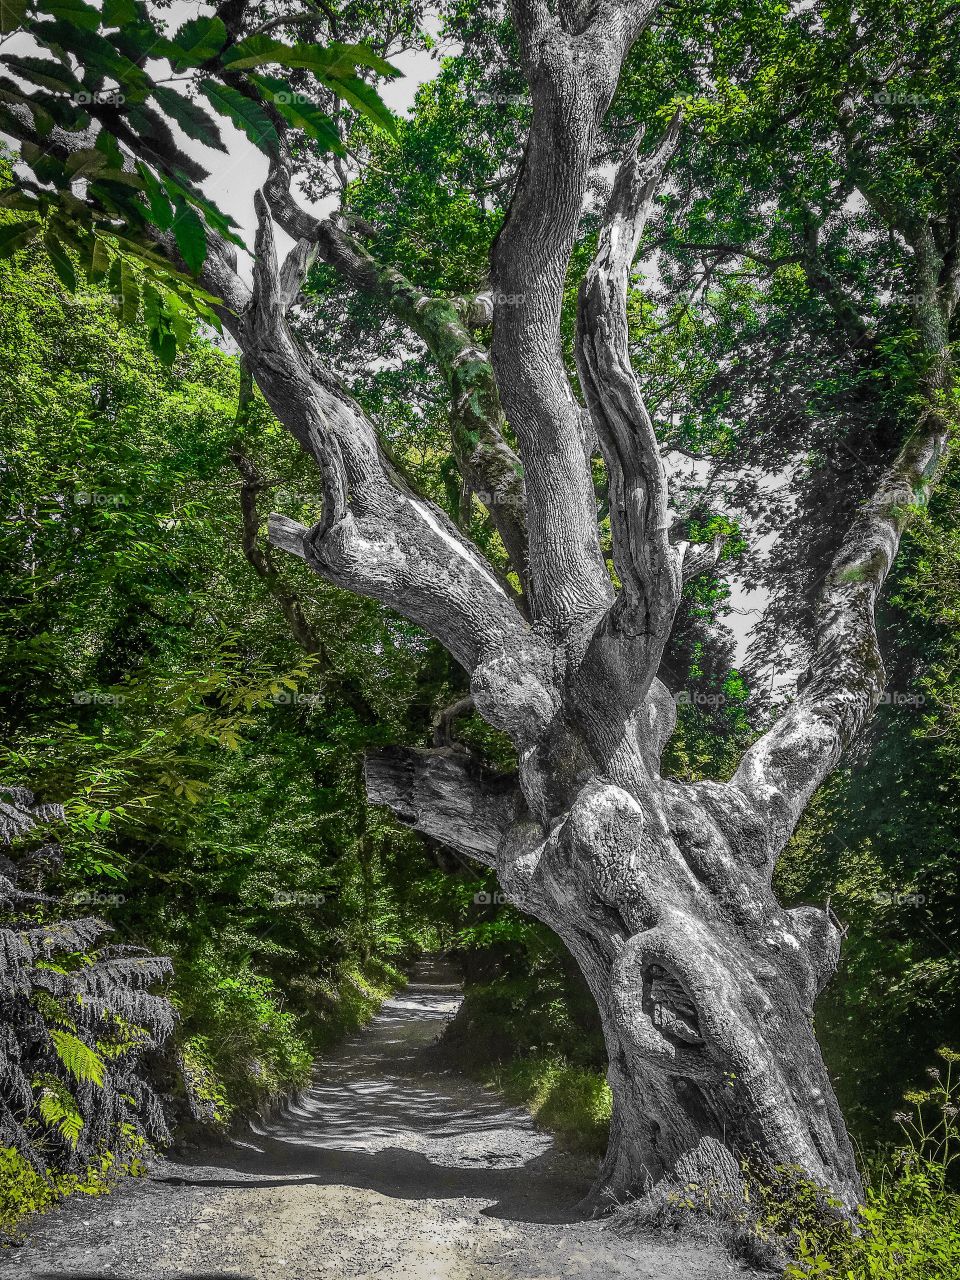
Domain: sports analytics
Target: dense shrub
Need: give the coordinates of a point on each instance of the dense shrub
(76, 1019)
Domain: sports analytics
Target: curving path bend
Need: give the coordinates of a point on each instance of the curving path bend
(384, 1168)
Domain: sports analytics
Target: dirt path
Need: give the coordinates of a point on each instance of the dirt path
(383, 1169)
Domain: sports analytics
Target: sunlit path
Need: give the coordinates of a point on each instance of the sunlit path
(384, 1167)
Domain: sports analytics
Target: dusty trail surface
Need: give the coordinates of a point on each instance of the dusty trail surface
(384, 1168)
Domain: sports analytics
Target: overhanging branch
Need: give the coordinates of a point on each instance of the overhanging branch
(447, 794)
(488, 464)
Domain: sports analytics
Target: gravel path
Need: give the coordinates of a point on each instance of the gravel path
(384, 1168)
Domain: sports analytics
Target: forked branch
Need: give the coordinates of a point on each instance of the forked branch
(373, 537)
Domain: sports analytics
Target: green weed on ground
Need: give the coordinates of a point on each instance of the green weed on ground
(908, 1227)
(572, 1102)
(24, 1190)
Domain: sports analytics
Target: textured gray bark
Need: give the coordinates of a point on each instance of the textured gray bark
(661, 890)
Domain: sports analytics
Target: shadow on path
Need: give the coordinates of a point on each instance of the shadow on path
(378, 1118)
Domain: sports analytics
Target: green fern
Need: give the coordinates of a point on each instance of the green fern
(80, 1060)
(58, 1109)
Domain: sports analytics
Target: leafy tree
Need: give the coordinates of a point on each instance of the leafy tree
(88, 107)
(539, 543)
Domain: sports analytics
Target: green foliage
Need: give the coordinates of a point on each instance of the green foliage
(572, 1102)
(909, 1226)
(140, 184)
(239, 1043)
(25, 1191)
(56, 1105)
(208, 767)
(83, 1062)
(75, 1020)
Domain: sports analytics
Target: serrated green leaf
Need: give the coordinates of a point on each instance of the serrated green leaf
(152, 305)
(60, 260)
(97, 262)
(196, 41)
(47, 168)
(20, 200)
(110, 147)
(43, 71)
(298, 111)
(16, 235)
(117, 13)
(76, 12)
(334, 59)
(166, 349)
(246, 114)
(179, 187)
(160, 209)
(67, 232)
(101, 58)
(12, 13)
(42, 119)
(129, 293)
(255, 51)
(86, 163)
(363, 98)
(191, 236)
(193, 120)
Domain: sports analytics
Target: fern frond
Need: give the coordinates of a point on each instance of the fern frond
(58, 1109)
(83, 1063)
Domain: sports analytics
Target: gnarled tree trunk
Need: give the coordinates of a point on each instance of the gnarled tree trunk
(705, 985)
(661, 890)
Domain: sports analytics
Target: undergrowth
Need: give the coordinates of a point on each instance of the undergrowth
(25, 1190)
(240, 1047)
(908, 1227)
(572, 1102)
(518, 1033)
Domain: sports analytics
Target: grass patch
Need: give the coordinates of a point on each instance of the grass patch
(572, 1102)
